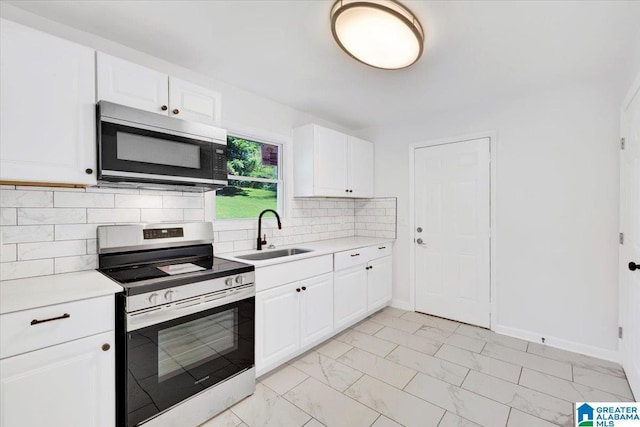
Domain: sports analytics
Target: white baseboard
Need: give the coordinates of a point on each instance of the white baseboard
(402, 305)
(600, 353)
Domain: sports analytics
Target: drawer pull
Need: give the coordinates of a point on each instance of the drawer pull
(355, 254)
(382, 247)
(36, 321)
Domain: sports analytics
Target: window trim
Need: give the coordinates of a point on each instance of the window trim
(243, 223)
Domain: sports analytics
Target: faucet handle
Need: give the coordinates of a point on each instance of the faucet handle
(264, 239)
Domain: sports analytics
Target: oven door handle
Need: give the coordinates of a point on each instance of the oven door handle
(164, 313)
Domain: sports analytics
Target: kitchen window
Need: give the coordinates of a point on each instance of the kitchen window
(255, 179)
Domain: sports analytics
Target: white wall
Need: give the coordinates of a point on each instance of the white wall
(557, 209)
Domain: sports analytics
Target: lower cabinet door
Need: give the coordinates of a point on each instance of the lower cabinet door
(316, 309)
(349, 295)
(379, 283)
(66, 385)
(277, 327)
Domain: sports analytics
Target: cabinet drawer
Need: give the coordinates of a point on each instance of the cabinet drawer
(351, 258)
(29, 330)
(287, 272)
(381, 250)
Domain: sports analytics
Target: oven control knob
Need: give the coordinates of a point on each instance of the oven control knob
(229, 282)
(153, 298)
(240, 280)
(169, 295)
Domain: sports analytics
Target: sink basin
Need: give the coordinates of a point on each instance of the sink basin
(273, 254)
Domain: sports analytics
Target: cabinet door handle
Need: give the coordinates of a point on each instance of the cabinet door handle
(355, 254)
(88, 171)
(176, 111)
(106, 347)
(297, 289)
(346, 191)
(37, 322)
(164, 108)
(304, 288)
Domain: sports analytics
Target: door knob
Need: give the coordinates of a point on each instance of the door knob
(633, 266)
(420, 242)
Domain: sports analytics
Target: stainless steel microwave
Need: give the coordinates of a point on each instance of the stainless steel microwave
(140, 149)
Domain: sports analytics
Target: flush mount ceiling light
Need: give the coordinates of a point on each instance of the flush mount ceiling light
(380, 33)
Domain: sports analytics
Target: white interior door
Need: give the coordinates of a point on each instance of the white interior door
(630, 250)
(452, 219)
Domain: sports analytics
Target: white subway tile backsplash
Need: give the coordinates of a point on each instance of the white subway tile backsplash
(22, 198)
(92, 246)
(54, 249)
(7, 253)
(185, 202)
(20, 269)
(51, 216)
(8, 216)
(112, 190)
(97, 216)
(194, 214)
(47, 231)
(229, 236)
(161, 215)
(82, 200)
(76, 231)
(26, 233)
(137, 201)
(76, 263)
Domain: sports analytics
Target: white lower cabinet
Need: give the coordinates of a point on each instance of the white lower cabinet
(350, 295)
(292, 317)
(66, 385)
(277, 324)
(379, 283)
(316, 309)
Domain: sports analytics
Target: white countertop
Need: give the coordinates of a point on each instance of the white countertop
(318, 248)
(32, 292)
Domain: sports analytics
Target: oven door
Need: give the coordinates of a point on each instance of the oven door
(147, 154)
(174, 360)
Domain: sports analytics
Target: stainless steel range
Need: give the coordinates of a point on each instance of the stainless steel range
(185, 324)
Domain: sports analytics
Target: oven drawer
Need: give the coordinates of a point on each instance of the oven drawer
(29, 330)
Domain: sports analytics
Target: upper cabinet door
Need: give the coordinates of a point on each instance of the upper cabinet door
(330, 163)
(47, 96)
(126, 83)
(194, 103)
(360, 167)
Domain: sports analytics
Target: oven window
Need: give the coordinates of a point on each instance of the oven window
(186, 346)
(145, 149)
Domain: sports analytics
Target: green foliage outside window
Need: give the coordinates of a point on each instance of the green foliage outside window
(246, 197)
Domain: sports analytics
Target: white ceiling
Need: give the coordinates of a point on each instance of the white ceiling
(475, 51)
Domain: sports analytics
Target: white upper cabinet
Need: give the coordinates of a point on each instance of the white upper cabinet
(47, 96)
(360, 168)
(328, 163)
(192, 102)
(126, 83)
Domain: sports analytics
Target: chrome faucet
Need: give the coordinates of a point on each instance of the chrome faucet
(263, 240)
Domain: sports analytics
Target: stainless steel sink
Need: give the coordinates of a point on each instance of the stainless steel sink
(273, 254)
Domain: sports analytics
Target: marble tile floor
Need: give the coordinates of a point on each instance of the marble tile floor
(400, 368)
